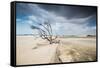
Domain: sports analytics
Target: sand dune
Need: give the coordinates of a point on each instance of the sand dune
(78, 49)
(32, 53)
(33, 50)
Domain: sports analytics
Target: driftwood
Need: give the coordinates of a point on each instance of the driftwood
(46, 32)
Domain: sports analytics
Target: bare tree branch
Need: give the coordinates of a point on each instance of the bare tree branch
(45, 33)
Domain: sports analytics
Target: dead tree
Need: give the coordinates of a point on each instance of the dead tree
(46, 32)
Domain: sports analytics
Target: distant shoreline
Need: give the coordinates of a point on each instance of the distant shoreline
(67, 36)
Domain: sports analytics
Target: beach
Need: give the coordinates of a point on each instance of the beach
(34, 50)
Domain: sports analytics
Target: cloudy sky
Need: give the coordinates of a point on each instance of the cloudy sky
(65, 20)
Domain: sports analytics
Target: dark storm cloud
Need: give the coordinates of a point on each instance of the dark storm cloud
(23, 10)
(92, 21)
(64, 19)
(70, 11)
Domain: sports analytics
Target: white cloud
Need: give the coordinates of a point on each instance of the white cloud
(60, 24)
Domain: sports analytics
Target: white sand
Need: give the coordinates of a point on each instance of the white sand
(34, 50)
(28, 52)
